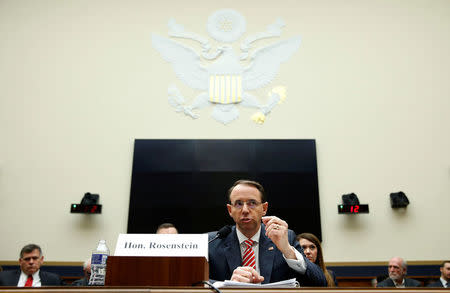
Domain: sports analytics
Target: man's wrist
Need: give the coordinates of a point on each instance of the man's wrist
(289, 253)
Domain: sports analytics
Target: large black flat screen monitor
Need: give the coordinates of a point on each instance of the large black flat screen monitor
(184, 182)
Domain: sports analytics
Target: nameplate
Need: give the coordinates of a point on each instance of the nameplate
(162, 245)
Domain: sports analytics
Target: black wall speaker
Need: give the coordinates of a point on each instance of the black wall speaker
(350, 199)
(399, 200)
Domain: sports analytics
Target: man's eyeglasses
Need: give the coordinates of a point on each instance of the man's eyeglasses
(251, 204)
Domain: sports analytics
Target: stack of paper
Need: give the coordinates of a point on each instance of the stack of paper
(291, 283)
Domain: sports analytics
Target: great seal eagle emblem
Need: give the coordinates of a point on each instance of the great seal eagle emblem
(224, 77)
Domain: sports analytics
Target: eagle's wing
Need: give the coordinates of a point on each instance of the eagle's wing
(266, 63)
(185, 62)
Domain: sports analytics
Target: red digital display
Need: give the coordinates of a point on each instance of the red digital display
(86, 209)
(353, 209)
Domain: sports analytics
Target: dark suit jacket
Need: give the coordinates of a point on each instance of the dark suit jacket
(11, 278)
(225, 256)
(438, 283)
(81, 282)
(408, 283)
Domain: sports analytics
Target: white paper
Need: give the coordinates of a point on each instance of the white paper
(291, 283)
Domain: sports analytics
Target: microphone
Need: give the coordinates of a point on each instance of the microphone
(222, 233)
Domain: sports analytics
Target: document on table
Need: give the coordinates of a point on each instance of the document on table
(291, 283)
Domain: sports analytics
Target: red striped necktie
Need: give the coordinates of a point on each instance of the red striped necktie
(29, 282)
(249, 259)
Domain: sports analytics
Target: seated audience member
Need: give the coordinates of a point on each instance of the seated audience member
(313, 251)
(258, 248)
(87, 275)
(379, 279)
(166, 228)
(444, 280)
(30, 274)
(397, 275)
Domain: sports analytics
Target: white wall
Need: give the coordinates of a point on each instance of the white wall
(79, 81)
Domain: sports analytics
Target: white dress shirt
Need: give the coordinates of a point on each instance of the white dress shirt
(298, 264)
(402, 285)
(23, 279)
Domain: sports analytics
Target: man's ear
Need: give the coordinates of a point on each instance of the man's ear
(41, 260)
(265, 207)
(229, 209)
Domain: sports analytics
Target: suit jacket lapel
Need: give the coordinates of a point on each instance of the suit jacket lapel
(40, 276)
(232, 250)
(17, 277)
(266, 256)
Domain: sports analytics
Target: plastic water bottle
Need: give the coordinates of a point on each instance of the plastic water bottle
(98, 264)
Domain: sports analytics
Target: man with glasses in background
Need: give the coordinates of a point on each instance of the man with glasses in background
(259, 248)
(30, 274)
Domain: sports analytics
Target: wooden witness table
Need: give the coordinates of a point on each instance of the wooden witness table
(126, 274)
(205, 290)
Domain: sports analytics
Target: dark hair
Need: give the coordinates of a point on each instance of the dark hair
(165, 226)
(251, 183)
(381, 278)
(444, 262)
(319, 259)
(30, 248)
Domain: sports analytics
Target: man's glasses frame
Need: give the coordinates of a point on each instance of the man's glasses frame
(251, 204)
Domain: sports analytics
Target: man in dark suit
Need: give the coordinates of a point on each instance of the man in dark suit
(87, 275)
(30, 275)
(444, 280)
(256, 252)
(397, 275)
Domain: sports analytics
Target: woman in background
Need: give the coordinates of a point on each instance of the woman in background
(313, 251)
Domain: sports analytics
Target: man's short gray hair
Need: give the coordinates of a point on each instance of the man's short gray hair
(86, 263)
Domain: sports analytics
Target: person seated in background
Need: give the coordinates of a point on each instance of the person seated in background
(313, 251)
(397, 275)
(258, 248)
(166, 228)
(444, 280)
(30, 274)
(87, 275)
(379, 279)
